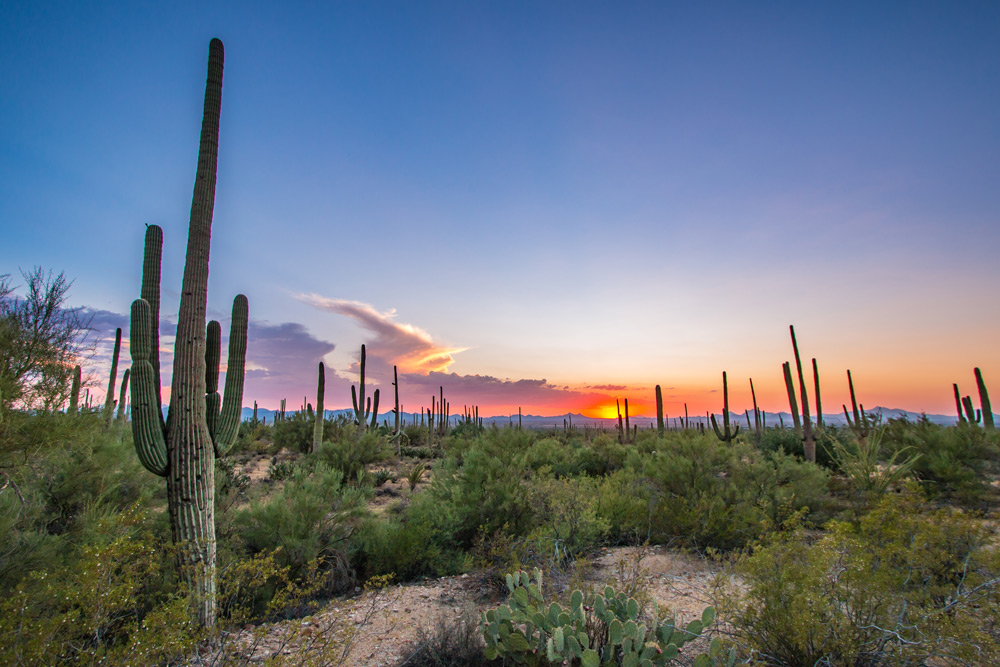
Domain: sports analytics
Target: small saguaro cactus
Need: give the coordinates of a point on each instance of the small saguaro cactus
(819, 403)
(659, 410)
(862, 424)
(123, 395)
(318, 427)
(725, 434)
(74, 392)
(365, 414)
(808, 441)
(183, 448)
(984, 402)
(758, 422)
(109, 398)
(972, 415)
(792, 401)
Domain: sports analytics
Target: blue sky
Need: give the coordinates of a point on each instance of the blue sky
(586, 193)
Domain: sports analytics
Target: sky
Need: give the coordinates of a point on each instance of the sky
(548, 205)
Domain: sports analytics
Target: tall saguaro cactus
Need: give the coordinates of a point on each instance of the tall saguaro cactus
(984, 402)
(109, 398)
(659, 410)
(74, 392)
(363, 412)
(320, 390)
(725, 434)
(197, 429)
(808, 442)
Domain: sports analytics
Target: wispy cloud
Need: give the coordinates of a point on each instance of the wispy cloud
(406, 346)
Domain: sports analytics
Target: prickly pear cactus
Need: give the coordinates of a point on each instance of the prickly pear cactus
(528, 631)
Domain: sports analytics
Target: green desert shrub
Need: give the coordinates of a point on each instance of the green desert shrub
(311, 519)
(567, 522)
(954, 460)
(905, 586)
(481, 493)
(710, 494)
(108, 604)
(294, 433)
(351, 454)
(77, 470)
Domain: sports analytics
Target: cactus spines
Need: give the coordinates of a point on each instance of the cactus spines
(984, 402)
(725, 434)
(320, 389)
(74, 392)
(183, 450)
(109, 398)
(659, 410)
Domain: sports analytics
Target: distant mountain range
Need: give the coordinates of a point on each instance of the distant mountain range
(577, 419)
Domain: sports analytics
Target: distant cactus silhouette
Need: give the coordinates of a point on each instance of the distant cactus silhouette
(725, 435)
(320, 389)
(109, 398)
(984, 402)
(74, 392)
(659, 410)
(808, 441)
(364, 412)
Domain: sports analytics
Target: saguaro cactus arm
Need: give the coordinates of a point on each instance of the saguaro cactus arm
(225, 424)
(150, 293)
(213, 401)
(147, 420)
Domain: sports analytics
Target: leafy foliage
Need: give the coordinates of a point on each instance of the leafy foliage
(904, 586)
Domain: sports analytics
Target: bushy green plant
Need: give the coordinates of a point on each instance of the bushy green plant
(710, 494)
(607, 630)
(309, 520)
(106, 605)
(954, 460)
(294, 433)
(483, 492)
(868, 479)
(567, 519)
(906, 585)
(254, 437)
(61, 473)
(352, 453)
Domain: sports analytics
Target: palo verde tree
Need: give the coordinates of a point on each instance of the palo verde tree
(41, 340)
(183, 448)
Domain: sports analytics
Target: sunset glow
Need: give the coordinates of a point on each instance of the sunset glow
(439, 184)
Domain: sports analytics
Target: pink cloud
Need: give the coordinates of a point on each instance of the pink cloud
(406, 346)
